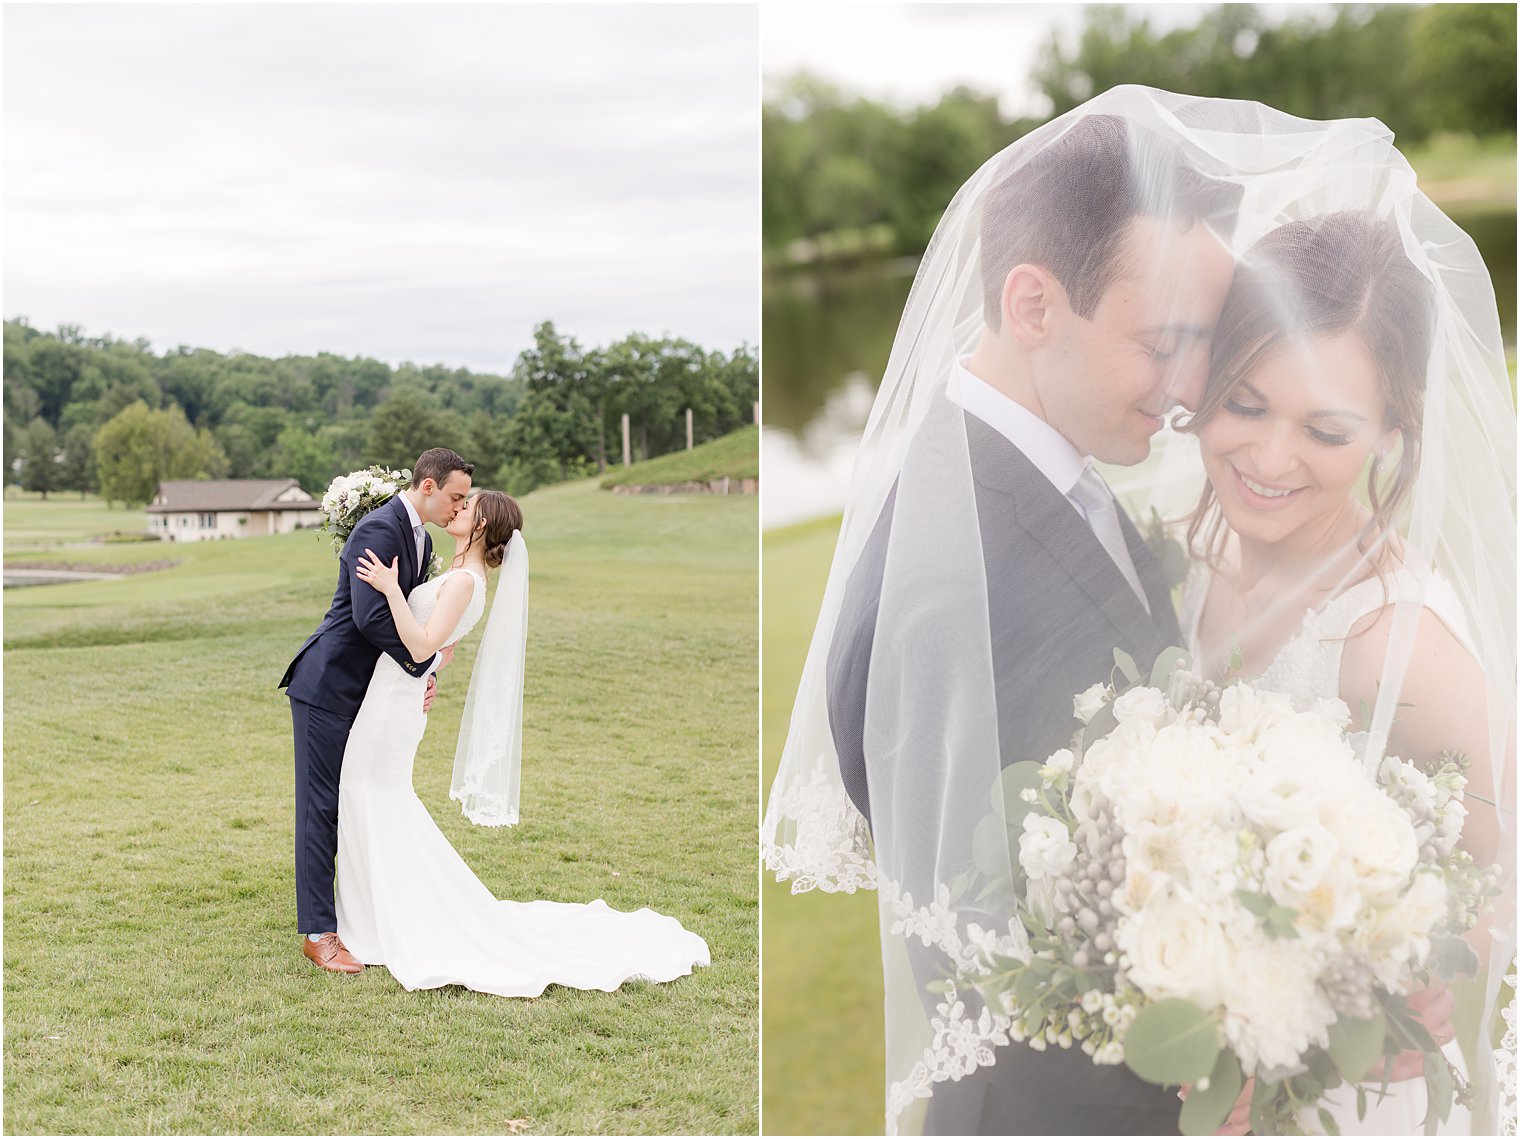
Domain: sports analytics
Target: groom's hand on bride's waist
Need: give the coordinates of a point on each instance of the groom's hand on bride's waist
(445, 655)
(429, 693)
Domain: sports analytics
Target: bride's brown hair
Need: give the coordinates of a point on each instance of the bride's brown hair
(502, 517)
(1343, 272)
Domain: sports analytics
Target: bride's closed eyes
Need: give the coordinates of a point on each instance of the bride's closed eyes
(1330, 438)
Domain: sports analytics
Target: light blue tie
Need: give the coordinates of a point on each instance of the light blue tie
(1092, 494)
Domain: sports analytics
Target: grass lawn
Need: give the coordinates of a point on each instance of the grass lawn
(153, 975)
(735, 455)
(822, 1020)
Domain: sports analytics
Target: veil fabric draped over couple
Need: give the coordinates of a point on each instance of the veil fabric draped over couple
(404, 898)
(1248, 321)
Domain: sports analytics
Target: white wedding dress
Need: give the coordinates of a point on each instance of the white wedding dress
(406, 900)
(1308, 669)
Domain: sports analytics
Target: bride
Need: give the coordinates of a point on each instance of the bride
(1309, 432)
(405, 898)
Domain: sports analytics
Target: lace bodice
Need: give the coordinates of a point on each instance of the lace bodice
(1308, 667)
(422, 600)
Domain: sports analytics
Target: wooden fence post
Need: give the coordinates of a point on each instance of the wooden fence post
(626, 460)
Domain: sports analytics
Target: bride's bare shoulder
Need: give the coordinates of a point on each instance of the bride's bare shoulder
(1441, 694)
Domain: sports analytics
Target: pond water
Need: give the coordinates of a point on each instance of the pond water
(828, 332)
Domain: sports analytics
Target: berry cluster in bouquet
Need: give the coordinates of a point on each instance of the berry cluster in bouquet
(1215, 886)
(350, 497)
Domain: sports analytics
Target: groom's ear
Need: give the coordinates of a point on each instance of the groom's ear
(1030, 297)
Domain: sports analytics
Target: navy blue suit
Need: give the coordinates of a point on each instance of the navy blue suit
(326, 683)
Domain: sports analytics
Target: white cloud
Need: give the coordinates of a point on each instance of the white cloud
(408, 182)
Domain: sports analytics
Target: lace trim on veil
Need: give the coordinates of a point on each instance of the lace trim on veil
(1504, 1064)
(961, 1042)
(830, 846)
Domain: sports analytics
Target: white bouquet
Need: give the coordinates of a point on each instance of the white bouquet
(1215, 887)
(350, 497)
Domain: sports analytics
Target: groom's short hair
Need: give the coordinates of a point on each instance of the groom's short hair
(438, 463)
(1067, 207)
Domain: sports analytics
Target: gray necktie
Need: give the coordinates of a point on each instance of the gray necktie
(418, 533)
(1092, 494)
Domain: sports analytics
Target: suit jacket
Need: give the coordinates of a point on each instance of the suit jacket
(333, 668)
(1057, 609)
(1056, 603)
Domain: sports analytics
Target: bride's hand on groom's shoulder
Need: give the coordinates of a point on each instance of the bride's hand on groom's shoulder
(372, 570)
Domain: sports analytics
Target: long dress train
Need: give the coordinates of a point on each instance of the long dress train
(406, 900)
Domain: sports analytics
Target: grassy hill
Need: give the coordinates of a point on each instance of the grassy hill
(822, 1021)
(735, 455)
(153, 975)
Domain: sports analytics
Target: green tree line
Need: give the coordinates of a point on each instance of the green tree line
(111, 416)
(835, 162)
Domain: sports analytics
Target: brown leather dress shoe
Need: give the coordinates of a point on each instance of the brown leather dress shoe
(330, 953)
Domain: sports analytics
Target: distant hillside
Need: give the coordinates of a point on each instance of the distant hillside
(735, 455)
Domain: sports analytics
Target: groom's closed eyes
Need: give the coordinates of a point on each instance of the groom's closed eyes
(1166, 340)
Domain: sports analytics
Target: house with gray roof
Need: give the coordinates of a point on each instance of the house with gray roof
(196, 510)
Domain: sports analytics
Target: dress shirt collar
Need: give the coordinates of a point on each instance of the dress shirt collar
(411, 513)
(1051, 452)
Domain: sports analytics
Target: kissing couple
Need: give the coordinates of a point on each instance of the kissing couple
(360, 689)
(1174, 372)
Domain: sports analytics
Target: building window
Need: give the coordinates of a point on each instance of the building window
(208, 521)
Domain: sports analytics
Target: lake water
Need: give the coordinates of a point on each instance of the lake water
(827, 334)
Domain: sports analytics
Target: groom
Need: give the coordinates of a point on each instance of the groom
(327, 680)
(1103, 269)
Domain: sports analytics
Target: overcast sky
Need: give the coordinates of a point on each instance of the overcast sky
(406, 182)
(909, 54)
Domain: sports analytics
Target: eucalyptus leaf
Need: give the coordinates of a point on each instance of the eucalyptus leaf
(1263, 1109)
(1280, 921)
(1168, 662)
(1454, 958)
(1172, 1042)
(989, 847)
(1327, 1121)
(1011, 782)
(1126, 665)
(1439, 1091)
(1356, 1045)
(1103, 722)
(1258, 904)
(1204, 1112)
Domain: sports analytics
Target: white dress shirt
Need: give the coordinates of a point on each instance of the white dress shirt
(418, 533)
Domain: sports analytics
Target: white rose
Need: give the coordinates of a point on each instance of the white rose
(1282, 793)
(1147, 704)
(1245, 711)
(1045, 847)
(1380, 842)
(1062, 760)
(1396, 934)
(1086, 705)
(1177, 949)
(1297, 860)
(1333, 711)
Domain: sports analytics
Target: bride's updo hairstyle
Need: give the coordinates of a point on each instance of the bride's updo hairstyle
(1315, 278)
(503, 518)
